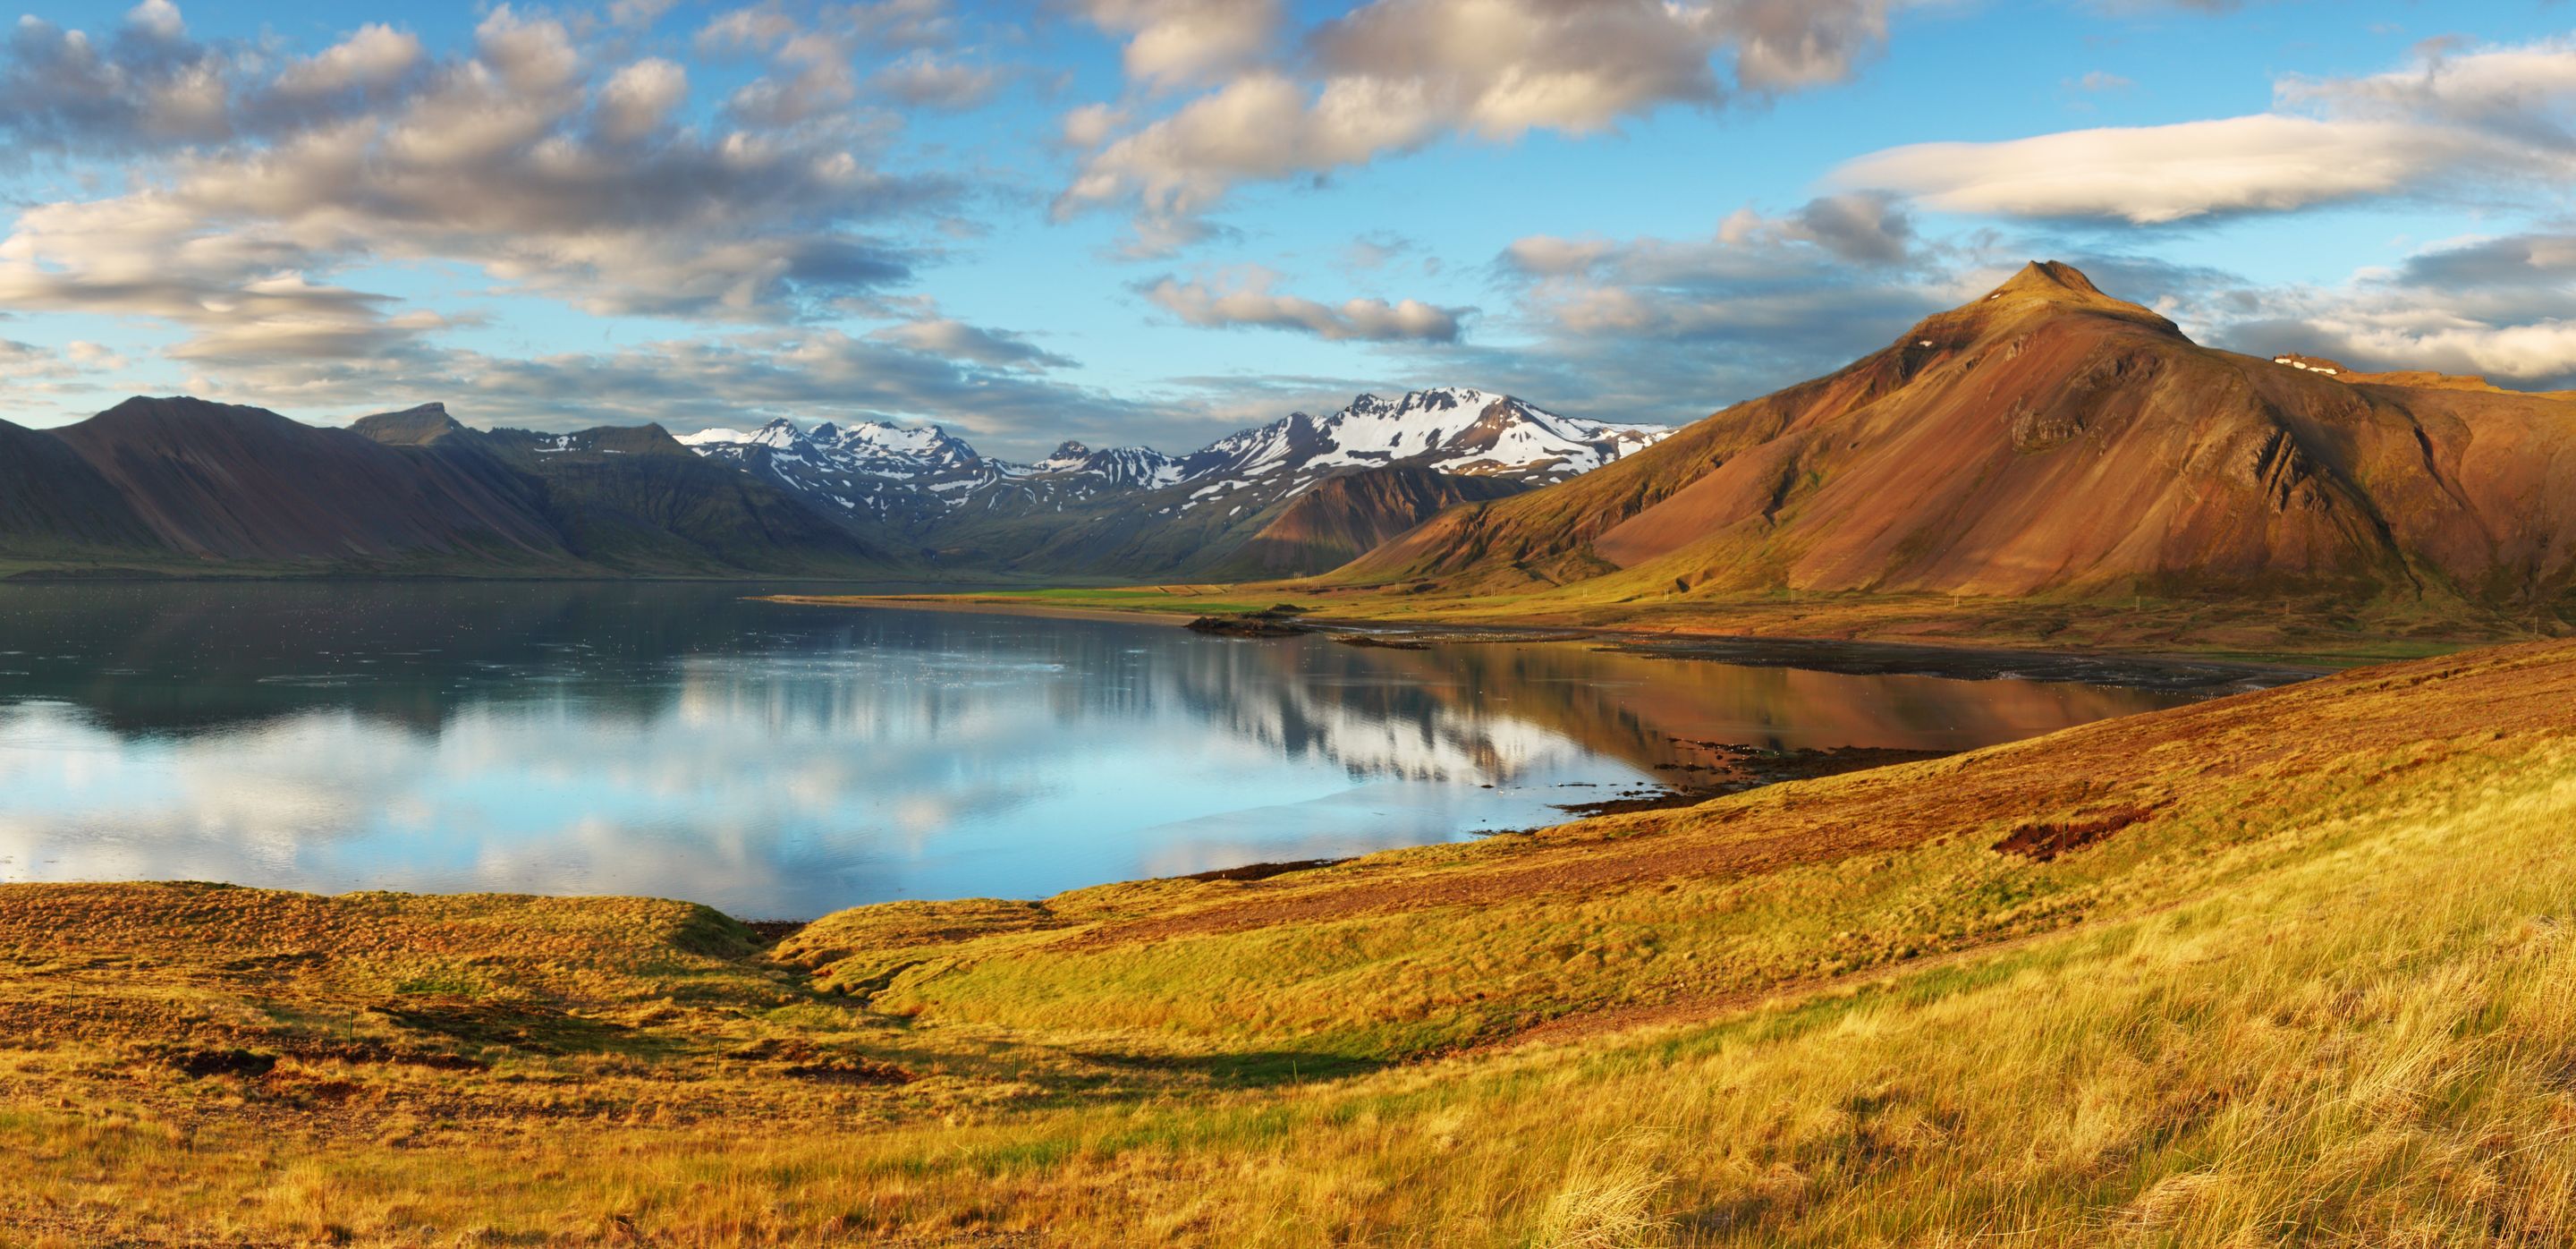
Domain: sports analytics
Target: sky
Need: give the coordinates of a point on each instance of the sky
(1157, 221)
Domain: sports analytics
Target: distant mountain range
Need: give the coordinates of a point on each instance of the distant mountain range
(1137, 510)
(2048, 439)
(181, 482)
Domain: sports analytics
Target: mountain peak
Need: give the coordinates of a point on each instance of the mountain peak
(2051, 279)
(2042, 288)
(413, 426)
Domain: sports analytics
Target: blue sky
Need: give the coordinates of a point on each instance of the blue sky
(1157, 220)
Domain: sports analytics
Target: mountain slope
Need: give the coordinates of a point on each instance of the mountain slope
(52, 503)
(1340, 518)
(2048, 438)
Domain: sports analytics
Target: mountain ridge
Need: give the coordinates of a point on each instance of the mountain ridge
(1139, 511)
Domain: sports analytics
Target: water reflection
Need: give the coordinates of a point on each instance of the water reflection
(777, 761)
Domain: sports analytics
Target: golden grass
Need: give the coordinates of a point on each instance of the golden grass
(2323, 992)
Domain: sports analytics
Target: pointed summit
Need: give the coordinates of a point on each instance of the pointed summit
(2050, 278)
(2043, 289)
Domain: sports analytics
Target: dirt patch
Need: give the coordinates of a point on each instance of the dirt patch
(803, 1060)
(1273, 623)
(769, 932)
(1263, 871)
(199, 1064)
(2043, 840)
(1732, 768)
(850, 1071)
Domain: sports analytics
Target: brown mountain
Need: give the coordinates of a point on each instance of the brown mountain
(631, 498)
(1341, 517)
(221, 481)
(52, 503)
(2048, 438)
(158, 482)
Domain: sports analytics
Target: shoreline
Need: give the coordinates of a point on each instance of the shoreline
(1846, 656)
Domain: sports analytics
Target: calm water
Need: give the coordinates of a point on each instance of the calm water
(780, 761)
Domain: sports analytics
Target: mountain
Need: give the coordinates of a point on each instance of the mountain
(155, 482)
(1468, 432)
(633, 498)
(1343, 517)
(222, 482)
(1136, 511)
(52, 503)
(2047, 438)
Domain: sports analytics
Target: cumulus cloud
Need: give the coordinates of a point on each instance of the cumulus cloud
(2393, 337)
(2490, 120)
(1174, 42)
(375, 56)
(1248, 300)
(554, 175)
(639, 98)
(1394, 75)
(925, 80)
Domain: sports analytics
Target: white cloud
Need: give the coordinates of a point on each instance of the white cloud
(1175, 42)
(1394, 75)
(157, 18)
(2155, 174)
(943, 336)
(1249, 301)
(925, 80)
(375, 56)
(551, 176)
(639, 98)
(2479, 124)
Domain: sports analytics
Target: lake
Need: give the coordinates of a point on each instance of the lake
(780, 761)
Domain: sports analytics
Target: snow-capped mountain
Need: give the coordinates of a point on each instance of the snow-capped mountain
(1141, 467)
(929, 484)
(881, 471)
(1469, 432)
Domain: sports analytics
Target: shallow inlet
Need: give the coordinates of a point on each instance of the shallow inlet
(778, 761)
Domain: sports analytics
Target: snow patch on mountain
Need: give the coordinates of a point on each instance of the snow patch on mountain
(917, 473)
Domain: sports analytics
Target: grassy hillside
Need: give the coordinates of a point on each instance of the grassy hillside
(2291, 966)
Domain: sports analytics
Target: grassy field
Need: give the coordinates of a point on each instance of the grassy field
(2289, 967)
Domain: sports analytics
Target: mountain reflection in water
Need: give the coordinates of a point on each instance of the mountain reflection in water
(776, 761)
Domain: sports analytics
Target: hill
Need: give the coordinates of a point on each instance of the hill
(2284, 967)
(2047, 439)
